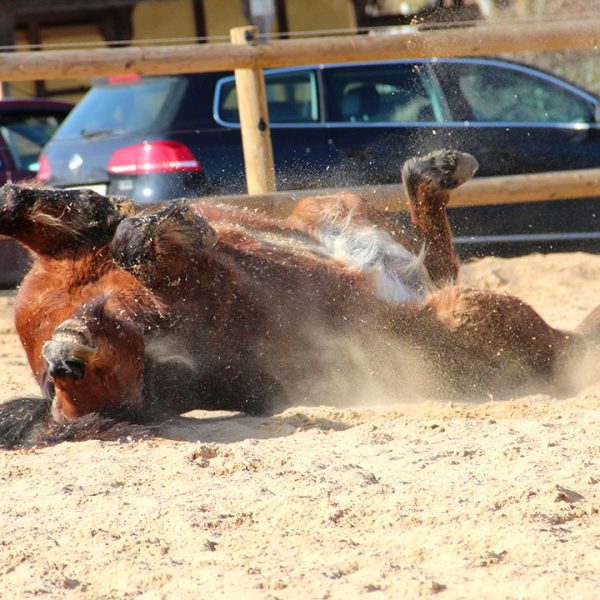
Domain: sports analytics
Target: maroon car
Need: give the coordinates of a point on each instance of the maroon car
(25, 127)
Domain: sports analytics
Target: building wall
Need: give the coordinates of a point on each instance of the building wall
(160, 20)
(303, 15)
(170, 19)
(63, 36)
(222, 15)
(320, 14)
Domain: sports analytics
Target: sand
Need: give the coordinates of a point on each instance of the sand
(489, 499)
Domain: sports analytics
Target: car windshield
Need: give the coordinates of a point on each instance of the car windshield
(26, 134)
(130, 107)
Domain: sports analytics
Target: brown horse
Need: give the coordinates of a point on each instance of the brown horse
(128, 316)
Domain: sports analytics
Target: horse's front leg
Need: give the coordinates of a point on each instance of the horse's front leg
(59, 223)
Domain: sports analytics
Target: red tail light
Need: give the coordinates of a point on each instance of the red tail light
(153, 157)
(43, 172)
(123, 78)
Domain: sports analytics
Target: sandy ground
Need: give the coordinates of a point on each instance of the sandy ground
(459, 500)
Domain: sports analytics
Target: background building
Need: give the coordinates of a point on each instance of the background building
(46, 24)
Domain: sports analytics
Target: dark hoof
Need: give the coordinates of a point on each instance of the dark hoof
(442, 169)
(168, 236)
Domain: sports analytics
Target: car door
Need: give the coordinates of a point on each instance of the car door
(515, 119)
(380, 114)
(301, 152)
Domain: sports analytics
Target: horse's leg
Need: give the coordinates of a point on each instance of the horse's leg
(590, 326)
(482, 342)
(428, 181)
(352, 229)
(174, 387)
(345, 209)
(160, 248)
(59, 223)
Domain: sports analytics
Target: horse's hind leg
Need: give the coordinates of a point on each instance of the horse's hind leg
(57, 223)
(428, 181)
(496, 342)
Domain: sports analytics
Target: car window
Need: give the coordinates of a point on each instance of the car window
(392, 93)
(26, 134)
(131, 108)
(501, 94)
(291, 98)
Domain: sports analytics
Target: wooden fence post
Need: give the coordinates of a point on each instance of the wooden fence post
(254, 120)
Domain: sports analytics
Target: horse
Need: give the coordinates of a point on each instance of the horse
(128, 317)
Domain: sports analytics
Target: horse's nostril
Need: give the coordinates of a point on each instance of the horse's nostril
(74, 369)
(77, 369)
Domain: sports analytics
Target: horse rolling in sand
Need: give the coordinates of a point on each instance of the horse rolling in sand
(128, 317)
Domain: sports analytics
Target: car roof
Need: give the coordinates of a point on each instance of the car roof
(35, 103)
(487, 59)
(215, 75)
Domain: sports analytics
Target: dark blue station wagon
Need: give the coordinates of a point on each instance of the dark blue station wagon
(155, 138)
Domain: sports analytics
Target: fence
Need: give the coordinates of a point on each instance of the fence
(248, 57)
(465, 41)
(581, 183)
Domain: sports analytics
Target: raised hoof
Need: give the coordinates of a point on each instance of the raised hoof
(173, 233)
(51, 221)
(69, 351)
(442, 169)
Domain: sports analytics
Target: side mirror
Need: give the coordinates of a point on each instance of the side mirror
(597, 112)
